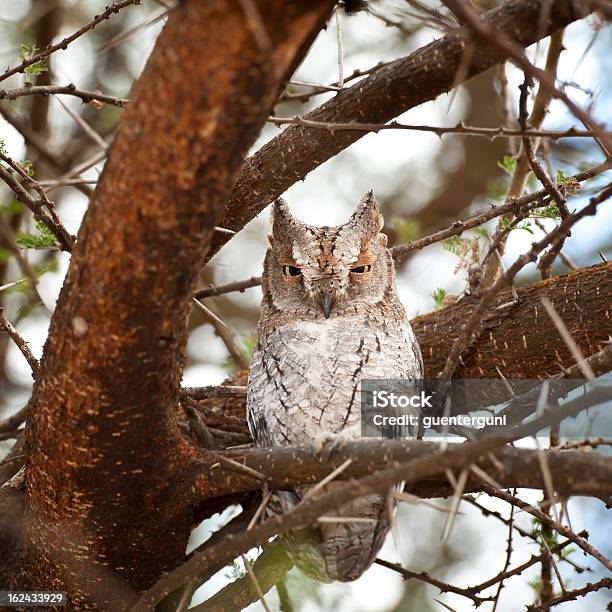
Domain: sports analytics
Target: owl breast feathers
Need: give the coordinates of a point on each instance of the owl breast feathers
(330, 317)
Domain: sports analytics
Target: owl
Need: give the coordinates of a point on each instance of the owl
(330, 316)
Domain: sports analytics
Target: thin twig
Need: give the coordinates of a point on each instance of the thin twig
(500, 41)
(591, 587)
(69, 90)
(18, 339)
(444, 587)
(251, 573)
(461, 129)
(63, 44)
(544, 518)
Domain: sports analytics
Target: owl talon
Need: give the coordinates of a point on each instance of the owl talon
(327, 443)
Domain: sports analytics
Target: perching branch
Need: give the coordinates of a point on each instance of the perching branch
(308, 511)
(287, 466)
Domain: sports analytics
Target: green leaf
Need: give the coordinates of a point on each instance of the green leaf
(438, 297)
(526, 226)
(28, 167)
(547, 212)
(570, 185)
(507, 164)
(453, 245)
(235, 571)
(45, 238)
(28, 53)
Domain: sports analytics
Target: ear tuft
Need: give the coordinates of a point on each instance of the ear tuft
(284, 223)
(367, 220)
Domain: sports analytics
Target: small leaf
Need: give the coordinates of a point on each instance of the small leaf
(28, 53)
(547, 212)
(526, 226)
(438, 297)
(453, 245)
(507, 164)
(45, 238)
(28, 167)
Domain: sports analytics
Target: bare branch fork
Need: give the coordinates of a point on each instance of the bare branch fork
(504, 44)
(63, 44)
(471, 329)
(380, 97)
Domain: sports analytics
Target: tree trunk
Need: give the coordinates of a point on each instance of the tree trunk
(107, 504)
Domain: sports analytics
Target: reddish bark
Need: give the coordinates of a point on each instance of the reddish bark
(521, 340)
(106, 493)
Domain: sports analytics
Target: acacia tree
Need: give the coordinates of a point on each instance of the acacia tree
(116, 460)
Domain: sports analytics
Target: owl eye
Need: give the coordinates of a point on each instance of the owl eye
(361, 269)
(291, 271)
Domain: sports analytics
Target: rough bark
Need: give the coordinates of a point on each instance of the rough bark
(287, 466)
(105, 487)
(521, 340)
(390, 91)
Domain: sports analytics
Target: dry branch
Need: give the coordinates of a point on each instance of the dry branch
(309, 510)
(71, 90)
(110, 10)
(464, 130)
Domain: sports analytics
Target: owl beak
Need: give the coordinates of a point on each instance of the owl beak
(327, 301)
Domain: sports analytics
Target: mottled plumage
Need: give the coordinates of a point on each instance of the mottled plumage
(330, 317)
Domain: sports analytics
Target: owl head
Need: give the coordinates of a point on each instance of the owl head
(324, 272)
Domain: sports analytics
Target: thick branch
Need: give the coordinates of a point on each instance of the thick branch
(520, 339)
(310, 509)
(388, 92)
(286, 466)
